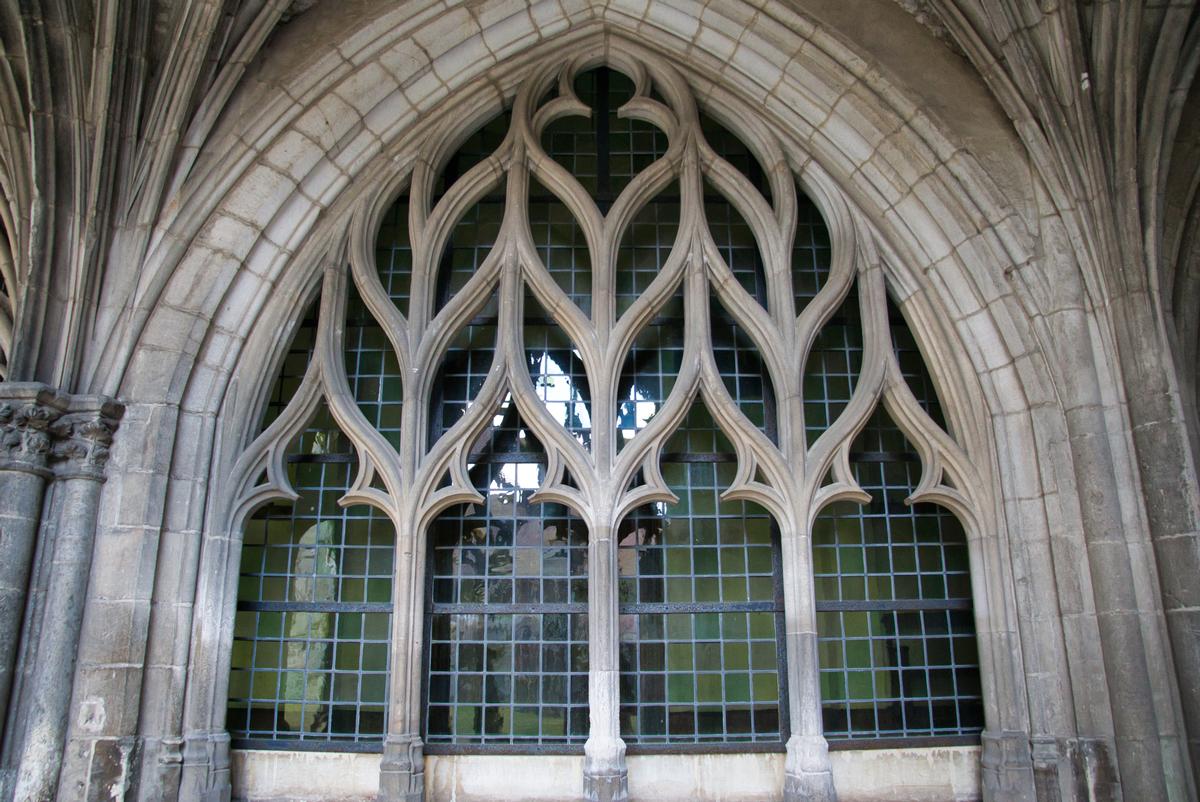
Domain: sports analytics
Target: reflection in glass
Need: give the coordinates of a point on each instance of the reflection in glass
(907, 664)
(701, 610)
(310, 650)
(559, 378)
(508, 595)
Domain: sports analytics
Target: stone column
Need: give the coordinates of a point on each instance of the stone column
(402, 770)
(26, 412)
(605, 777)
(807, 775)
(81, 454)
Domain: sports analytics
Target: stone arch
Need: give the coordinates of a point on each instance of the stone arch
(253, 225)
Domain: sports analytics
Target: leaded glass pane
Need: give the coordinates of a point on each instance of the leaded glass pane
(310, 653)
(508, 589)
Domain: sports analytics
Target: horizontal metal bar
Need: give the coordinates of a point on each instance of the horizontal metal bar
(502, 749)
(314, 607)
(322, 458)
(907, 742)
(721, 457)
(884, 456)
(507, 609)
(702, 607)
(704, 748)
(898, 605)
(307, 745)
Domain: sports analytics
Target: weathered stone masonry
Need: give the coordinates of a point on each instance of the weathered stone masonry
(179, 177)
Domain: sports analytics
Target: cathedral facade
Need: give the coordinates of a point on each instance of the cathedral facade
(599, 399)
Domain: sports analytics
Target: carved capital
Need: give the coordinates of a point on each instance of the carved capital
(83, 443)
(27, 415)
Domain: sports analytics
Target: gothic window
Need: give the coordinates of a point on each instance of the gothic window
(599, 402)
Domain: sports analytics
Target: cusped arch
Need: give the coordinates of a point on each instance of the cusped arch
(946, 242)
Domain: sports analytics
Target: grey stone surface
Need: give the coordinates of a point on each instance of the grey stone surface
(1023, 174)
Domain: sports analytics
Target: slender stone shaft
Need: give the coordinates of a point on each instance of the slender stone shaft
(807, 774)
(45, 701)
(605, 777)
(402, 770)
(25, 413)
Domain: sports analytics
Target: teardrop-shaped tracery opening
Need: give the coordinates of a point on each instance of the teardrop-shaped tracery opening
(650, 369)
(393, 253)
(742, 370)
(295, 364)
(467, 246)
(912, 366)
(733, 150)
(462, 372)
(645, 245)
(483, 142)
(812, 253)
(833, 367)
(372, 370)
(558, 374)
(561, 245)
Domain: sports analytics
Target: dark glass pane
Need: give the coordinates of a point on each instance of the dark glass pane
(645, 246)
(469, 243)
(305, 665)
(735, 240)
(372, 369)
(561, 244)
(559, 378)
(912, 366)
(393, 253)
(832, 368)
(650, 370)
(734, 151)
(295, 363)
(604, 152)
(462, 373)
(477, 147)
(892, 671)
(811, 252)
(742, 369)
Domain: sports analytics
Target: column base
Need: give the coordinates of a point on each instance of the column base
(402, 770)
(204, 774)
(605, 777)
(807, 774)
(1006, 766)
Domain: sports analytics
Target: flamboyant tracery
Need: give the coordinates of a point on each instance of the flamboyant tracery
(596, 385)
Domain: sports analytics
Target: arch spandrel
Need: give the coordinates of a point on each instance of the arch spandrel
(340, 191)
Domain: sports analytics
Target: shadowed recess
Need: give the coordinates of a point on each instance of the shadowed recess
(462, 372)
(477, 147)
(898, 656)
(313, 621)
(603, 152)
(811, 252)
(561, 245)
(507, 656)
(700, 605)
(832, 368)
(912, 366)
(295, 363)
(730, 148)
(644, 247)
(650, 369)
(557, 371)
(393, 253)
(372, 370)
